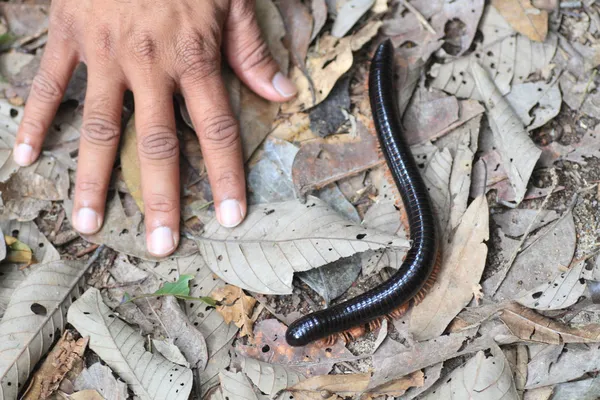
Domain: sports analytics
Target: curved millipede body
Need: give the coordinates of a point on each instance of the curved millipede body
(415, 274)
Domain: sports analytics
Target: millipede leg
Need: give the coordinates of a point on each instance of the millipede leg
(398, 312)
(430, 281)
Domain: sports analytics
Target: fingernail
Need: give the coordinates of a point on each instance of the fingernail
(283, 85)
(161, 241)
(87, 221)
(23, 155)
(230, 213)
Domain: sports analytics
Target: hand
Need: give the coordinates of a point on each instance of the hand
(154, 48)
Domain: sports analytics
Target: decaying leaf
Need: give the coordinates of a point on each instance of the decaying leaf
(169, 351)
(270, 346)
(319, 13)
(235, 306)
(354, 385)
(100, 378)
(235, 385)
(524, 18)
(331, 60)
(585, 389)
(65, 355)
(130, 163)
(519, 153)
(298, 22)
(535, 103)
(127, 234)
(332, 280)
(86, 395)
(18, 252)
(276, 240)
(515, 222)
(462, 267)
(532, 327)
(269, 378)
(35, 314)
(481, 378)
(123, 350)
(348, 15)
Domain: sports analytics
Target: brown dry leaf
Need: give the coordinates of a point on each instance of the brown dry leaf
(66, 355)
(354, 385)
(319, 13)
(86, 395)
(532, 327)
(524, 18)
(543, 393)
(100, 377)
(332, 58)
(464, 260)
(270, 346)
(298, 22)
(321, 162)
(130, 163)
(236, 306)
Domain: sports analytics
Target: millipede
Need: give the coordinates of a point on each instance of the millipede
(408, 286)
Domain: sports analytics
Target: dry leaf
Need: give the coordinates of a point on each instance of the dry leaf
(270, 378)
(348, 15)
(515, 222)
(270, 346)
(169, 351)
(276, 240)
(130, 163)
(235, 385)
(585, 389)
(62, 358)
(464, 260)
(122, 348)
(235, 306)
(36, 312)
(18, 252)
(100, 378)
(481, 378)
(86, 395)
(353, 385)
(536, 103)
(431, 375)
(298, 23)
(519, 153)
(524, 18)
(319, 13)
(543, 393)
(326, 65)
(532, 327)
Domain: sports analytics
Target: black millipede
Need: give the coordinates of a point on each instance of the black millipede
(419, 269)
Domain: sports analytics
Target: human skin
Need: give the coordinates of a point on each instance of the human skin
(154, 48)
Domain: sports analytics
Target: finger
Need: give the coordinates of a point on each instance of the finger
(47, 90)
(98, 147)
(218, 132)
(250, 57)
(158, 151)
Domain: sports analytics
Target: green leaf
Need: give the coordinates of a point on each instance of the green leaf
(179, 288)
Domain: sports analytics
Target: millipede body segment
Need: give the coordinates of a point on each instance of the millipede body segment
(417, 272)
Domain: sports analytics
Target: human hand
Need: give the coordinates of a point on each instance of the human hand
(154, 48)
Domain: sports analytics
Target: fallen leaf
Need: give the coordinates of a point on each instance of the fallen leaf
(319, 13)
(482, 377)
(585, 389)
(515, 222)
(412, 38)
(269, 378)
(235, 385)
(462, 267)
(524, 18)
(332, 280)
(276, 240)
(123, 350)
(86, 395)
(529, 326)
(508, 59)
(429, 112)
(336, 199)
(585, 148)
(235, 306)
(519, 153)
(18, 252)
(536, 103)
(326, 118)
(25, 19)
(169, 351)
(331, 59)
(100, 378)
(322, 162)
(130, 163)
(544, 393)
(348, 15)
(431, 375)
(34, 315)
(354, 385)
(127, 234)
(270, 346)
(298, 22)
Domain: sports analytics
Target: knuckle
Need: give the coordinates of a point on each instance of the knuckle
(197, 57)
(162, 144)
(228, 179)
(88, 185)
(62, 22)
(220, 132)
(258, 54)
(45, 87)
(143, 47)
(161, 203)
(103, 43)
(32, 126)
(100, 130)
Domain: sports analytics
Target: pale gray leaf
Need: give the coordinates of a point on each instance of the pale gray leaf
(519, 153)
(333, 196)
(100, 378)
(34, 316)
(348, 15)
(536, 103)
(515, 222)
(170, 351)
(235, 385)
(586, 389)
(122, 348)
(28, 233)
(431, 375)
(276, 240)
(481, 378)
(270, 378)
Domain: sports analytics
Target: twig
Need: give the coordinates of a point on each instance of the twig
(511, 260)
(94, 257)
(208, 300)
(587, 88)
(419, 16)
(87, 250)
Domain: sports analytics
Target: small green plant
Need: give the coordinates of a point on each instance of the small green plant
(179, 289)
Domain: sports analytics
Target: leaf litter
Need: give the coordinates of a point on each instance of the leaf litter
(477, 82)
